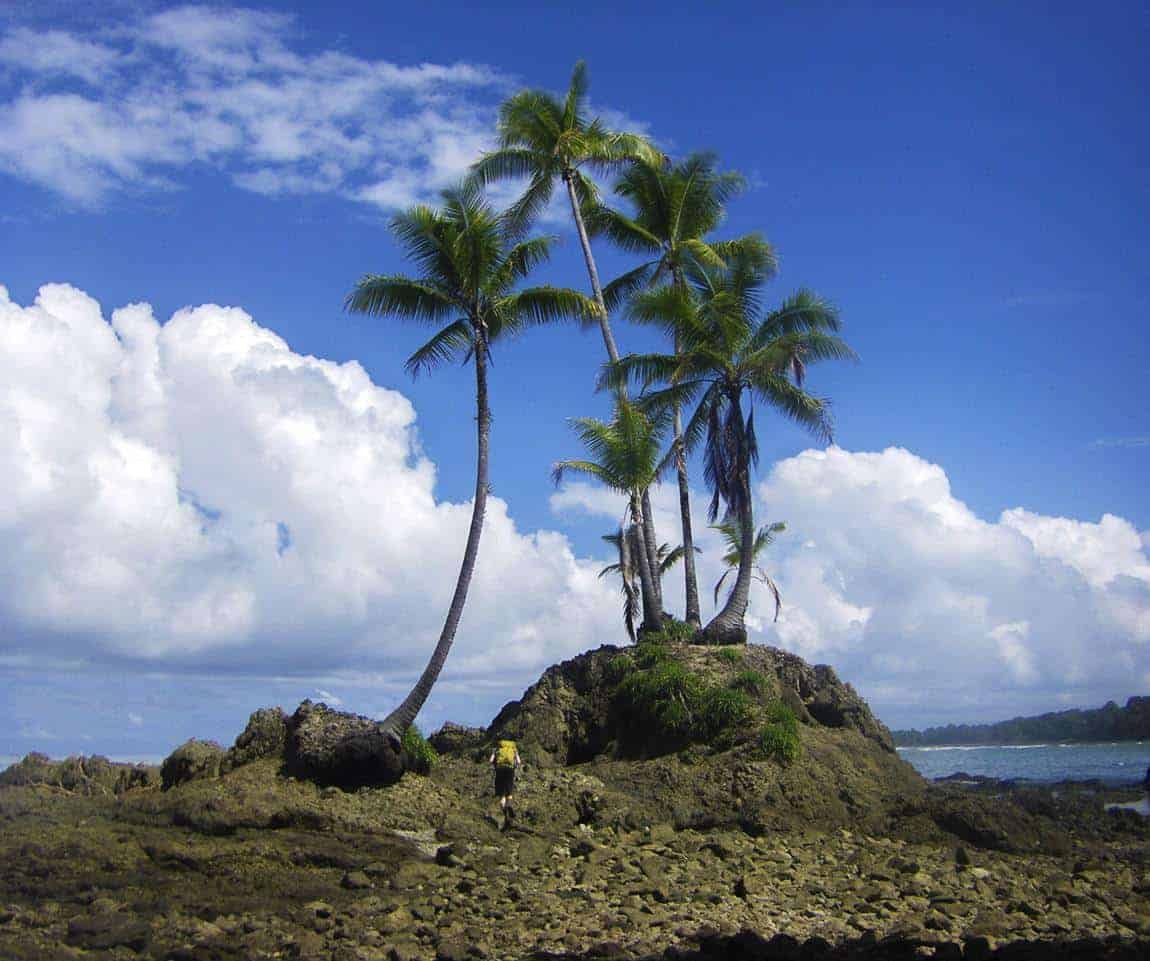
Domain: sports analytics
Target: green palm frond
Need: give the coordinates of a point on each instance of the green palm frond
(380, 294)
(548, 305)
(623, 287)
(451, 341)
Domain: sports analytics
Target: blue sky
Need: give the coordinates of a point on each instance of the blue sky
(967, 184)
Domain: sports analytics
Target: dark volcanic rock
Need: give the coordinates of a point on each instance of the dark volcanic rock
(264, 736)
(192, 760)
(338, 748)
(457, 739)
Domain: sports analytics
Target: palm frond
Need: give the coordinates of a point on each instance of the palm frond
(399, 296)
(443, 346)
(620, 290)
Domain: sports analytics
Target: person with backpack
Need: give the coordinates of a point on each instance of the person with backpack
(505, 759)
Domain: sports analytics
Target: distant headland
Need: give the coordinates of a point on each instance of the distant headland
(1107, 723)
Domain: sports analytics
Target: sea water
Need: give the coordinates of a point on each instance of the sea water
(1121, 762)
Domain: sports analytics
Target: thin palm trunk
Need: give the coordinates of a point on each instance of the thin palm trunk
(652, 614)
(646, 521)
(402, 717)
(592, 270)
(692, 584)
(652, 548)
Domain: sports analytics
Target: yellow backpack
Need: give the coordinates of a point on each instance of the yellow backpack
(505, 754)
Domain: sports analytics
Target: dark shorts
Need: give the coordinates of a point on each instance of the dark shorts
(504, 781)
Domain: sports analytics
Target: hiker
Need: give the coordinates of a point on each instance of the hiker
(505, 759)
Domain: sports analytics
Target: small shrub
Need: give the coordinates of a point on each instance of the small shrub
(419, 756)
(659, 704)
(677, 632)
(648, 653)
(731, 655)
(619, 667)
(752, 682)
(779, 736)
(723, 713)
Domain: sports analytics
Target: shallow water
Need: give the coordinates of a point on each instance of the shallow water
(1120, 762)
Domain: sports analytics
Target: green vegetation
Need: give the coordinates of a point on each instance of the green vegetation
(731, 655)
(779, 736)
(672, 631)
(723, 712)
(660, 706)
(752, 682)
(419, 755)
(650, 652)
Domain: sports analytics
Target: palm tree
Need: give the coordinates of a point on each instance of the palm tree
(674, 209)
(731, 355)
(763, 539)
(470, 267)
(545, 141)
(627, 544)
(625, 457)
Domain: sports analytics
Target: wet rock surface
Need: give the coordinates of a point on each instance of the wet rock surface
(845, 853)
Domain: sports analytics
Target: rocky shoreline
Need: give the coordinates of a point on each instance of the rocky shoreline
(700, 854)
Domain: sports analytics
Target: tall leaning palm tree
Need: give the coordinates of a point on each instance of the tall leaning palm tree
(468, 286)
(624, 456)
(546, 141)
(732, 356)
(673, 209)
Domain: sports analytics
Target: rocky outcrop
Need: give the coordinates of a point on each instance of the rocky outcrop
(94, 775)
(458, 739)
(264, 737)
(338, 748)
(565, 717)
(191, 761)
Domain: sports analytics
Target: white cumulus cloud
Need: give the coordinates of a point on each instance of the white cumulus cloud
(937, 613)
(195, 495)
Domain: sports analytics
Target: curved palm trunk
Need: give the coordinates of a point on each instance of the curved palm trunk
(651, 546)
(729, 625)
(652, 614)
(401, 718)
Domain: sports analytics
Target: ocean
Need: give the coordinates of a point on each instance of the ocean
(1121, 762)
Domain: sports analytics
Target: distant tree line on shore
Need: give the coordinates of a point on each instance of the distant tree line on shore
(1107, 723)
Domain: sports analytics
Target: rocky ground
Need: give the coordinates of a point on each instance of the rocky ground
(689, 855)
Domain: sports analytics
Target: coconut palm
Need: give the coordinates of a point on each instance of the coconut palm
(674, 208)
(732, 537)
(544, 141)
(625, 457)
(627, 544)
(470, 269)
(730, 356)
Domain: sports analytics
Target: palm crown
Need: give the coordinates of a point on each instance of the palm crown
(470, 266)
(543, 139)
(674, 208)
(728, 352)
